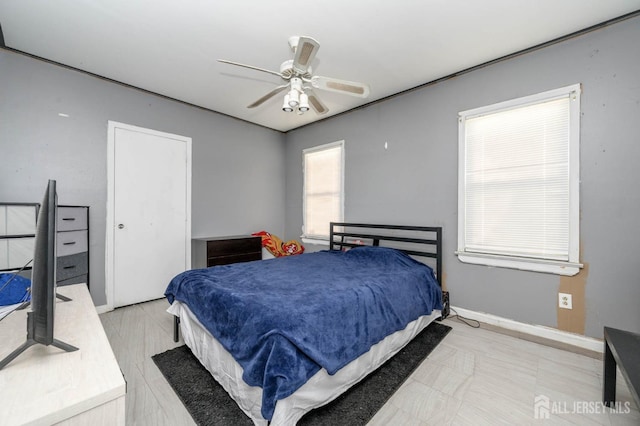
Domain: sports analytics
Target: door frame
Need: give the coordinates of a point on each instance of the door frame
(110, 219)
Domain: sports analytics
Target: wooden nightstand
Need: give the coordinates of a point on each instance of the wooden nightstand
(212, 251)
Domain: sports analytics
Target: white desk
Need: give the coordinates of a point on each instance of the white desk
(45, 385)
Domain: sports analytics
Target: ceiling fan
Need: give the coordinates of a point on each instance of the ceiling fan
(300, 80)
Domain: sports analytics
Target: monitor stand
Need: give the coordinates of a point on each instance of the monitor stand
(30, 342)
(63, 298)
(28, 302)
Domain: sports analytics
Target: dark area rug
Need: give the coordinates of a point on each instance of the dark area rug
(209, 404)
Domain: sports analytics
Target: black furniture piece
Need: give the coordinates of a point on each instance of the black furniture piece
(622, 349)
(212, 251)
(421, 241)
(428, 244)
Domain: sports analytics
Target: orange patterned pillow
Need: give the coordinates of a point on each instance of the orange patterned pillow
(277, 247)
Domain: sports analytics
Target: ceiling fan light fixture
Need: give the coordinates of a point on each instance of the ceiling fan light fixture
(285, 106)
(304, 103)
(299, 80)
(294, 98)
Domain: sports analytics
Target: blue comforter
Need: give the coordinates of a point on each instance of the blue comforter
(286, 318)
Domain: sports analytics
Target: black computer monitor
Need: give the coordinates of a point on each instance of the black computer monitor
(43, 280)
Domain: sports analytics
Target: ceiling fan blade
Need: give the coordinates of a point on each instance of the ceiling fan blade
(316, 103)
(268, 96)
(250, 67)
(352, 88)
(305, 54)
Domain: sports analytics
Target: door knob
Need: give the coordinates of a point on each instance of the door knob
(120, 226)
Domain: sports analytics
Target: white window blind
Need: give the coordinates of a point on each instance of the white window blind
(323, 189)
(519, 181)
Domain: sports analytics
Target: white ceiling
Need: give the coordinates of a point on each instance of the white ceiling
(170, 47)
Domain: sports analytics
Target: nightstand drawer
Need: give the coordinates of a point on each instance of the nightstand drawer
(72, 266)
(72, 218)
(234, 258)
(234, 246)
(71, 242)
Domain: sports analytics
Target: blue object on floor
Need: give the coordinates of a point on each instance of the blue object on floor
(16, 291)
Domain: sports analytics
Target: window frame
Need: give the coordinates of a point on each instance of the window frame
(316, 239)
(561, 267)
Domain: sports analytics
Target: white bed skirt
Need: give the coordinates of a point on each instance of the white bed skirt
(319, 390)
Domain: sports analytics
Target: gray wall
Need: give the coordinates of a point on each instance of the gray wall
(414, 181)
(231, 158)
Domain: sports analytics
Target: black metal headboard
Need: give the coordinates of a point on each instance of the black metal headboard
(423, 241)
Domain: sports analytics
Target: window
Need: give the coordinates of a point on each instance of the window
(323, 193)
(518, 183)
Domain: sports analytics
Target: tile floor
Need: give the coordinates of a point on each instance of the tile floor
(474, 377)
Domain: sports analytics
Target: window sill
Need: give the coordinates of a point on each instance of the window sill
(524, 264)
(316, 241)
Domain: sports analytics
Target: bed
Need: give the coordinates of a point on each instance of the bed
(287, 335)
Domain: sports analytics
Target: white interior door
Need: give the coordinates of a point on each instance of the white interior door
(150, 222)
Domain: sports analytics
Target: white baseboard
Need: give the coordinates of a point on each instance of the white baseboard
(102, 309)
(554, 334)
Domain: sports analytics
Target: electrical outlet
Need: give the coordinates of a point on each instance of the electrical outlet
(565, 301)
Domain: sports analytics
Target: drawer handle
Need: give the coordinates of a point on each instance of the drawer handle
(70, 243)
(68, 218)
(69, 267)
